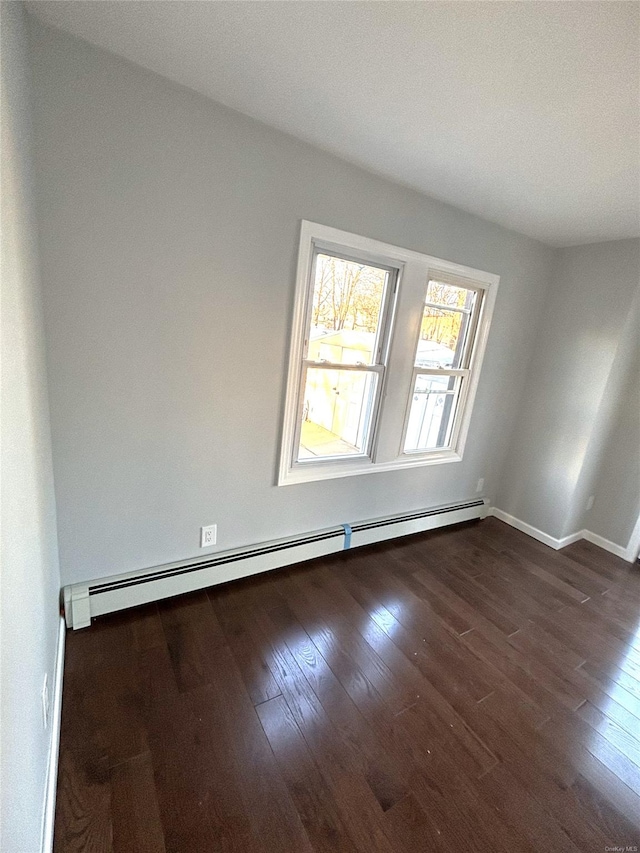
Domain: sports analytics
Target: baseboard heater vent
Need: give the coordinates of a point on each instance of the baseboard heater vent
(82, 601)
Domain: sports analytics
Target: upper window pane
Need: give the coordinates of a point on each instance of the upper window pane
(445, 321)
(346, 310)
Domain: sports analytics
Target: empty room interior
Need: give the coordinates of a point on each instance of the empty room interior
(320, 426)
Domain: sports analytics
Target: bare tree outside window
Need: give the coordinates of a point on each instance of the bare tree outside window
(347, 295)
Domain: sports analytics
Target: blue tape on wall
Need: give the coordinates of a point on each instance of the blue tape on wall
(347, 536)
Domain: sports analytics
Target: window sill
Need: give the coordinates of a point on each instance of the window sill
(335, 470)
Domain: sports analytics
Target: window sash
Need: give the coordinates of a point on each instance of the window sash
(376, 369)
(381, 345)
(457, 394)
(324, 364)
(468, 343)
(453, 308)
(469, 327)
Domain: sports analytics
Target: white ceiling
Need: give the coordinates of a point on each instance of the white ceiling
(525, 113)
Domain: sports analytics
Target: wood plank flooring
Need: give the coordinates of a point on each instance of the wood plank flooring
(467, 689)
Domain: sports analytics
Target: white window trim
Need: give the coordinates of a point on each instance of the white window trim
(414, 269)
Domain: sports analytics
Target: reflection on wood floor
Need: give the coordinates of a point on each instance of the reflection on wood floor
(467, 689)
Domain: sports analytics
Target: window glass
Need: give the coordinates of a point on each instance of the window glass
(432, 412)
(449, 296)
(444, 326)
(346, 310)
(337, 412)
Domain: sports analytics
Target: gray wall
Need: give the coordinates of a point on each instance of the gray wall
(169, 229)
(575, 392)
(616, 479)
(30, 578)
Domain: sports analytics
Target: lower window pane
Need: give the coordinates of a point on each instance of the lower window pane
(337, 412)
(433, 408)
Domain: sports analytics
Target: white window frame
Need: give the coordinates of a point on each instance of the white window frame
(405, 311)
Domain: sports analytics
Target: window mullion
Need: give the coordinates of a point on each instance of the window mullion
(401, 358)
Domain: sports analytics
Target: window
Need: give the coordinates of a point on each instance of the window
(385, 356)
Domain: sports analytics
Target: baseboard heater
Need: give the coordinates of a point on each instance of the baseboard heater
(82, 601)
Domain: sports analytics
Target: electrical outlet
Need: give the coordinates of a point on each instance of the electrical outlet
(45, 701)
(480, 485)
(590, 502)
(208, 535)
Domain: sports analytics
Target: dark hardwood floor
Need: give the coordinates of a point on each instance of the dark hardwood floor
(463, 690)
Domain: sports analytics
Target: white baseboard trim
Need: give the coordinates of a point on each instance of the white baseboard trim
(540, 535)
(569, 540)
(601, 542)
(49, 811)
(627, 553)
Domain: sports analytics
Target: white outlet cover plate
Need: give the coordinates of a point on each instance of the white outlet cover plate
(208, 535)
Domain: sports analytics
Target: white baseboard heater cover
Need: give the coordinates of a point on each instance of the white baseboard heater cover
(82, 601)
